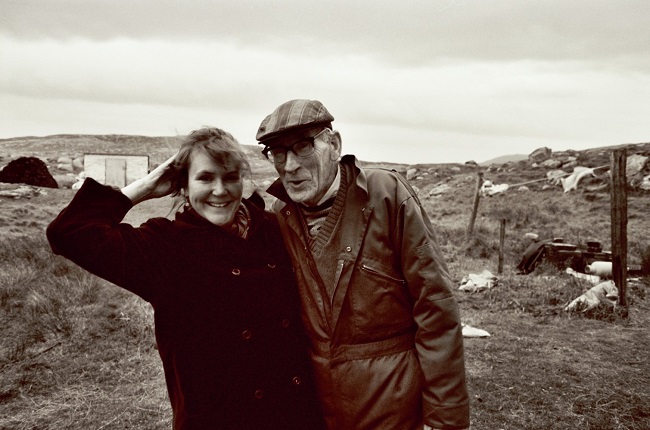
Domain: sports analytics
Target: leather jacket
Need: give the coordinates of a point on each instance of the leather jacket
(385, 330)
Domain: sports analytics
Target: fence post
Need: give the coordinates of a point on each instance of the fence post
(619, 225)
(502, 237)
(477, 197)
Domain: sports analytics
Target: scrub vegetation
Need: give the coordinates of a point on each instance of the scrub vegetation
(79, 353)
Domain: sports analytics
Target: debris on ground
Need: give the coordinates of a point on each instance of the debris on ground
(604, 293)
(469, 331)
(592, 279)
(474, 283)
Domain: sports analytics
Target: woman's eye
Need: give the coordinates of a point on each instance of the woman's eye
(232, 178)
(204, 178)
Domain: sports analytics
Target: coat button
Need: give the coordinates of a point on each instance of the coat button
(296, 380)
(348, 248)
(288, 213)
(285, 323)
(236, 272)
(259, 393)
(246, 334)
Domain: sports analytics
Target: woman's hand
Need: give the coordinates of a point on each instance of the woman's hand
(156, 184)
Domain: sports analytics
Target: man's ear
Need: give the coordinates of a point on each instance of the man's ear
(337, 144)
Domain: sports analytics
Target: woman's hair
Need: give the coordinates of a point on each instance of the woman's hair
(220, 145)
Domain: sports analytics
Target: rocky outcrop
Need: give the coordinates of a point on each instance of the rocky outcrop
(540, 154)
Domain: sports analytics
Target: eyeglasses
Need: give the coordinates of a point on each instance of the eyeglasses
(301, 148)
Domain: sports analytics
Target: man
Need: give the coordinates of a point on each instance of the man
(377, 304)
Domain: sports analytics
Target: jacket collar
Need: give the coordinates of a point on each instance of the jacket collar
(189, 217)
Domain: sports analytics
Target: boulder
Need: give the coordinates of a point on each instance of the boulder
(78, 163)
(64, 160)
(645, 184)
(634, 169)
(65, 167)
(552, 163)
(65, 181)
(554, 176)
(439, 190)
(28, 170)
(570, 164)
(540, 154)
(410, 174)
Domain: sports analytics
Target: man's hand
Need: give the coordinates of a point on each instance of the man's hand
(156, 184)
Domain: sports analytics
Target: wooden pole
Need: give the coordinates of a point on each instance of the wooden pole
(619, 225)
(477, 197)
(502, 240)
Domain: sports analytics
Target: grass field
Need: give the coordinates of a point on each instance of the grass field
(79, 353)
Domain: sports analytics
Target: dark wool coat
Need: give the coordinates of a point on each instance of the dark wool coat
(226, 309)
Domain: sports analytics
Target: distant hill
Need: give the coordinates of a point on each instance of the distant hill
(159, 148)
(76, 145)
(505, 159)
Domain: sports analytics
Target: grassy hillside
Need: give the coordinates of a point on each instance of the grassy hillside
(79, 353)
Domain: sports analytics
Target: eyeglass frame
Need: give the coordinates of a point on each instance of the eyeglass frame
(286, 149)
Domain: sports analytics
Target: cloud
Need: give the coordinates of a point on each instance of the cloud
(415, 32)
(459, 74)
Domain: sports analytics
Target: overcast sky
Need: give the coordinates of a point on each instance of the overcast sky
(422, 81)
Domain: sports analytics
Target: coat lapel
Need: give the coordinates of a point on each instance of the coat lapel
(352, 233)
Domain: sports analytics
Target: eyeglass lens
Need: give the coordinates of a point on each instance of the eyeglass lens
(302, 148)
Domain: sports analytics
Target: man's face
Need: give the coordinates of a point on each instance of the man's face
(307, 179)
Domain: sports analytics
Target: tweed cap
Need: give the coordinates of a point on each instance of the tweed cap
(291, 116)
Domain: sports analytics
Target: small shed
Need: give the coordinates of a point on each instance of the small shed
(116, 170)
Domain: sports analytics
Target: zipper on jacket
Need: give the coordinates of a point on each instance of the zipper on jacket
(337, 278)
(339, 271)
(381, 274)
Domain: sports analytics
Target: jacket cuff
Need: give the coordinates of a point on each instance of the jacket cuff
(91, 190)
(447, 416)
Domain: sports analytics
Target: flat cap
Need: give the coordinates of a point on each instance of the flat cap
(291, 116)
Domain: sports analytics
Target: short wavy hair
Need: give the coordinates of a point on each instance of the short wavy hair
(220, 145)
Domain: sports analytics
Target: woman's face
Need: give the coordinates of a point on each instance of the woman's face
(214, 191)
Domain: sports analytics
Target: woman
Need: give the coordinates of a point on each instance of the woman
(219, 280)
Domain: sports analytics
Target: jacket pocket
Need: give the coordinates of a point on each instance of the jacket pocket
(372, 270)
(380, 303)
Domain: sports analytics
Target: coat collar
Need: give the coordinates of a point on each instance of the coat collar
(189, 217)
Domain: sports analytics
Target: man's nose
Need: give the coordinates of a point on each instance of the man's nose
(292, 163)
